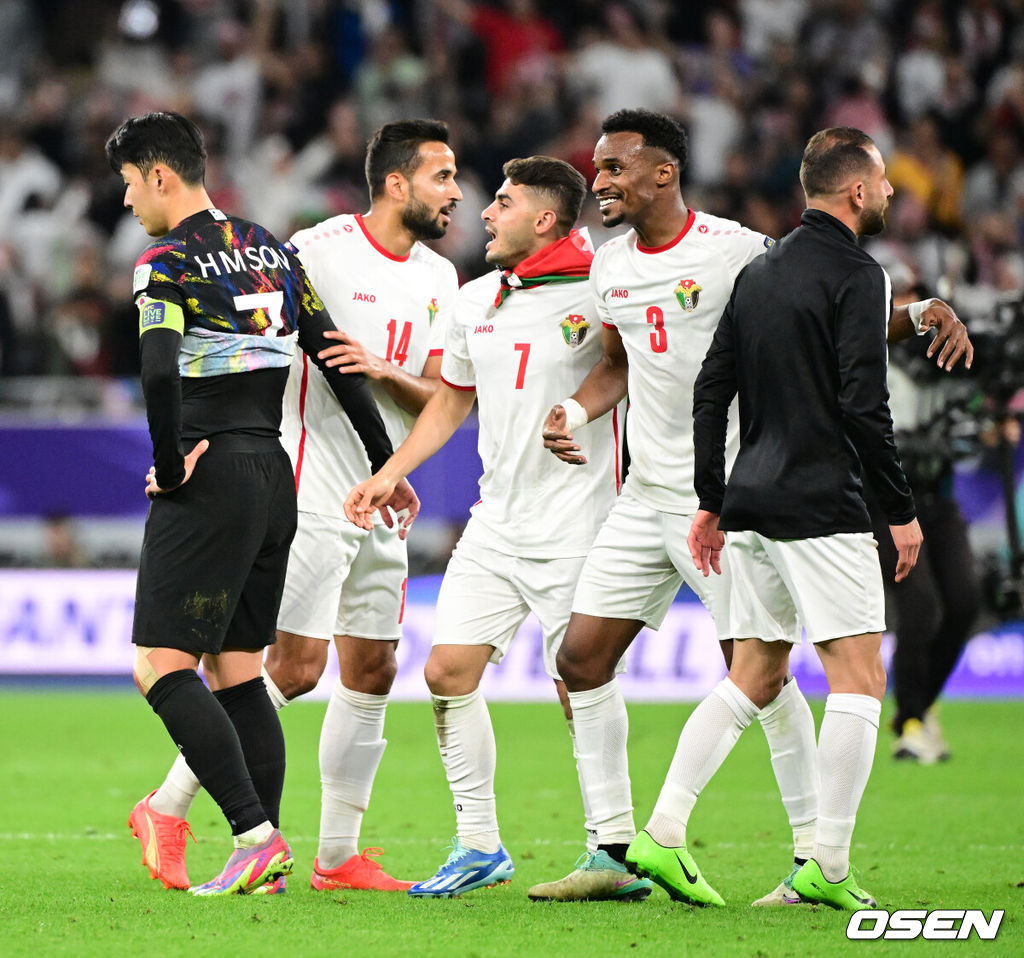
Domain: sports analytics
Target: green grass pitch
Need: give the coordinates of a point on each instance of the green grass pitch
(74, 763)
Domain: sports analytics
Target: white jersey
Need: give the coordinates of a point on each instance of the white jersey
(522, 358)
(397, 307)
(666, 302)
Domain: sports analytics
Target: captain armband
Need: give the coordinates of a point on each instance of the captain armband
(916, 310)
(575, 415)
(160, 314)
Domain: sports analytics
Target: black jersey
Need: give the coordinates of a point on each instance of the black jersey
(803, 343)
(221, 364)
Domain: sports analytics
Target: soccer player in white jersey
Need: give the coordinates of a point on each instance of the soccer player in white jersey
(392, 296)
(520, 337)
(661, 289)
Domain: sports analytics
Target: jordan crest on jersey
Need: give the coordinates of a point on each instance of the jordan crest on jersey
(431, 310)
(574, 330)
(688, 293)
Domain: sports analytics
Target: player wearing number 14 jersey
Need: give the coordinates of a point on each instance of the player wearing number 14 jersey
(520, 338)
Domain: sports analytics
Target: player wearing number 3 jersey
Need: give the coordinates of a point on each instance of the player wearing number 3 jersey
(660, 290)
(222, 305)
(520, 338)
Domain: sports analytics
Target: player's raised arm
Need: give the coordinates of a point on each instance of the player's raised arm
(604, 386)
(442, 415)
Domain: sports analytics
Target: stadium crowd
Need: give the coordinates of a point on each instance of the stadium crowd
(287, 94)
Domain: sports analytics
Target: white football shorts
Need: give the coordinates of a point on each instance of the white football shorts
(486, 595)
(832, 585)
(637, 564)
(343, 580)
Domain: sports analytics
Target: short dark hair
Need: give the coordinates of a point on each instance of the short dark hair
(144, 141)
(555, 180)
(657, 129)
(395, 148)
(832, 158)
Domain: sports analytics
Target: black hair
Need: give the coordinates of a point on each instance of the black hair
(170, 138)
(554, 179)
(658, 130)
(832, 158)
(395, 148)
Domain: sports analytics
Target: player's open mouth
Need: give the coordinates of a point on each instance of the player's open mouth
(605, 202)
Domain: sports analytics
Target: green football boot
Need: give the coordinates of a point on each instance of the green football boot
(672, 868)
(845, 895)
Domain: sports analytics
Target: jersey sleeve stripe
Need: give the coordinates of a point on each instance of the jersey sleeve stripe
(464, 389)
(435, 352)
(608, 325)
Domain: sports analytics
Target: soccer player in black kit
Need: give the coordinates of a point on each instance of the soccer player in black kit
(222, 305)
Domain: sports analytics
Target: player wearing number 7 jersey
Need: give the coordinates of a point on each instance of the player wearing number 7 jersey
(521, 337)
(222, 306)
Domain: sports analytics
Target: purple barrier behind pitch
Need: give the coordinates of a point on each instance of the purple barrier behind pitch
(79, 623)
(99, 470)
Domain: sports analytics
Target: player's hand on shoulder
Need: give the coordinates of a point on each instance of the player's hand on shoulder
(153, 490)
(558, 439)
(951, 342)
(352, 355)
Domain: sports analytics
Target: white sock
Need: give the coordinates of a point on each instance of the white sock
(789, 727)
(255, 836)
(588, 822)
(602, 727)
(351, 746)
(465, 738)
(179, 789)
(276, 695)
(846, 751)
(706, 739)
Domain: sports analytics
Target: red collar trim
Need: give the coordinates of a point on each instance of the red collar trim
(380, 249)
(672, 242)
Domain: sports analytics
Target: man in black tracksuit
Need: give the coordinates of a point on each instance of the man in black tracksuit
(803, 343)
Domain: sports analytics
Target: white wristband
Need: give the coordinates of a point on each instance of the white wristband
(915, 310)
(575, 414)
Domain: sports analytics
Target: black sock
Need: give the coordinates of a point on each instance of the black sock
(259, 732)
(617, 852)
(201, 729)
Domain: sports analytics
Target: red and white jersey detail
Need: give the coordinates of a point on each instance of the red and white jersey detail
(522, 358)
(666, 302)
(398, 308)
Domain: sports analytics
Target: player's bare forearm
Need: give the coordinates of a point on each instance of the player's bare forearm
(605, 384)
(446, 410)
(412, 393)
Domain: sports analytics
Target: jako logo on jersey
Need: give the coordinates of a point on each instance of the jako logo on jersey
(364, 297)
(574, 329)
(688, 292)
(936, 925)
(431, 311)
(619, 294)
(485, 328)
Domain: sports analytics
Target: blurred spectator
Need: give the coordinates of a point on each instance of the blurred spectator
(924, 166)
(62, 549)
